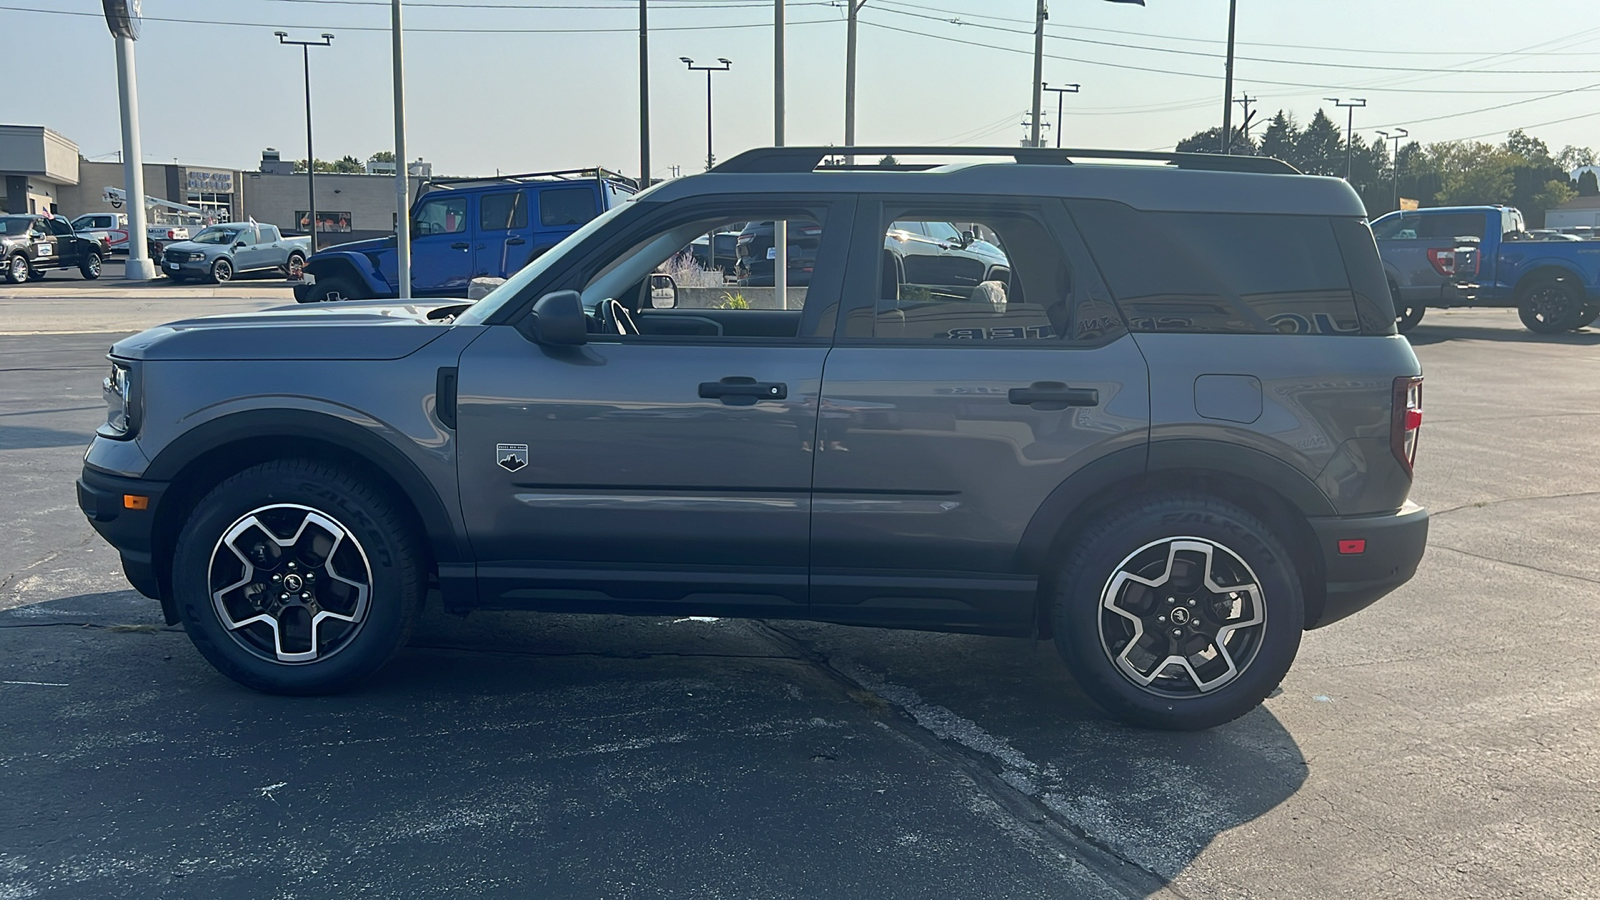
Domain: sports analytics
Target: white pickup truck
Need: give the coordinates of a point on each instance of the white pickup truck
(114, 227)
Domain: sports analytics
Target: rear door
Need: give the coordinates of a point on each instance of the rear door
(502, 245)
(441, 243)
(952, 409)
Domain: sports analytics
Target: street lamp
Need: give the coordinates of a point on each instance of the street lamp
(726, 65)
(1059, 91)
(311, 156)
(1394, 164)
(1353, 104)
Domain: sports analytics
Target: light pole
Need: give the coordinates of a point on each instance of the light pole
(1394, 163)
(1059, 92)
(727, 64)
(311, 156)
(644, 96)
(1353, 104)
(402, 171)
(1227, 86)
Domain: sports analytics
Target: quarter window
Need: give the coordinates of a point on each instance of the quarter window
(566, 206)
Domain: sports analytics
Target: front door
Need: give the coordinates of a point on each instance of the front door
(252, 255)
(951, 410)
(68, 249)
(666, 465)
(441, 244)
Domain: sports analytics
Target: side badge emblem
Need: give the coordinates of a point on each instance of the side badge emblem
(511, 457)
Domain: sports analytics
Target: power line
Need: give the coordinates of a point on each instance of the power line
(731, 4)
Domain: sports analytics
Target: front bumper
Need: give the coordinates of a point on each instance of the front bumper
(102, 497)
(1394, 543)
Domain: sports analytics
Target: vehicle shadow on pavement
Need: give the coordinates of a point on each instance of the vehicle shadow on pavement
(1425, 334)
(600, 756)
(33, 437)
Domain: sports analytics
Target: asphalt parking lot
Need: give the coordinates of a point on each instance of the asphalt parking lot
(1441, 744)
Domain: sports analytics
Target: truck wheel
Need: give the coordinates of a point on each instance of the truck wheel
(17, 269)
(221, 271)
(1408, 317)
(1550, 305)
(1591, 311)
(1179, 611)
(36, 275)
(90, 267)
(333, 289)
(297, 577)
(295, 265)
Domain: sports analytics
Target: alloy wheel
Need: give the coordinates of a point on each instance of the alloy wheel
(1182, 616)
(19, 270)
(290, 584)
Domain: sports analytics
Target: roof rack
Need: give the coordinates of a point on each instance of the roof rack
(557, 175)
(807, 159)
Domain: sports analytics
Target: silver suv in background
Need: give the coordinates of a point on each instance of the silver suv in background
(219, 252)
(1176, 431)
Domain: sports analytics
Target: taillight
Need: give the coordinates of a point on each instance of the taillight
(1406, 420)
(1443, 260)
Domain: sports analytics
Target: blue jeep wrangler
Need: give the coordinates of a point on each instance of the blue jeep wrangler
(467, 228)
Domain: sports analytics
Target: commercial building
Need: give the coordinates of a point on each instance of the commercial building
(38, 166)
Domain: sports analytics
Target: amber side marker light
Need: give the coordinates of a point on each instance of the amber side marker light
(134, 501)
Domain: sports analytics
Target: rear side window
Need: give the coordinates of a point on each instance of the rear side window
(566, 206)
(1220, 272)
(1429, 227)
(501, 212)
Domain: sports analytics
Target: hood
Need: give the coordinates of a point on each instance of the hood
(375, 330)
(193, 247)
(367, 246)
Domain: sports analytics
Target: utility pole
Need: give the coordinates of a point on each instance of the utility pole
(1038, 72)
(402, 171)
(1394, 164)
(644, 96)
(311, 154)
(727, 64)
(780, 227)
(1353, 104)
(1245, 100)
(1060, 92)
(1227, 88)
(853, 7)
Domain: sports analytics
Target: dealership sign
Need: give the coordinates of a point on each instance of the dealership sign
(123, 18)
(202, 181)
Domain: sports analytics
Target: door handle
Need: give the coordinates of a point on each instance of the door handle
(515, 242)
(459, 245)
(741, 391)
(1053, 395)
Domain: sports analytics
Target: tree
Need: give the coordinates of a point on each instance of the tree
(1210, 140)
(382, 156)
(1473, 173)
(1556, 192)
(1531, 149)
(1574, 158)
(1280, 139)
(889, 161)
(1588, 185)
(1320, 149)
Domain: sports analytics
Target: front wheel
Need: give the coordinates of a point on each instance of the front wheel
(1550, 306)
(17, 269)
(297, 577)
(1180, 611)
(221, 271)
(332, 289)
(90, 267)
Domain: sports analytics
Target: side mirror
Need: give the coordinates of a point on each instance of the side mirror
(557, 320)
(663, 292)
(238, 245)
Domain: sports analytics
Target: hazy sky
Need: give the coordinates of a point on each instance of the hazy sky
(515, 93)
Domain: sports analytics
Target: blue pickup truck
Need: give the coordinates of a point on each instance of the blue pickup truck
(1453, 256)
(463, 229)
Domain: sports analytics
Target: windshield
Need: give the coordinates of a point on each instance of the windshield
(14, 226)
(217, 235)
(503, 294)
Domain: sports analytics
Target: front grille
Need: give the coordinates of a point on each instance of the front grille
(177, 256)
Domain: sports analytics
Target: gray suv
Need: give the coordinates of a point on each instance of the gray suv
(1176, 433)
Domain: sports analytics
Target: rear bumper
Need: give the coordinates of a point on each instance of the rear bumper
(1394, 546)
(101, 497)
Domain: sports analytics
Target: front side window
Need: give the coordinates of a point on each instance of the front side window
(445, 215)
(502, 212)
(59, 226)
(566, 206)
(217, 235)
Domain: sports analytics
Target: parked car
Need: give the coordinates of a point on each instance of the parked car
(928, 252)
(113, 226)
(727, 251)
(466, 228)
(1452, 256)
(220, 252)
(1175, 432)
(31, 245)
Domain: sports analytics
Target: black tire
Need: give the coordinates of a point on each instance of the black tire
(333, 289)
(221, 271)
(282, 498)
(17, 269)
(294, 265)
(1151, 688)
(90, 267)
(1405, 317)
(1550, 305)
(36, 274)
(1591, 311)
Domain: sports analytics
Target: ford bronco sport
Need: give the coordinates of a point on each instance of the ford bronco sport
(1177, 432)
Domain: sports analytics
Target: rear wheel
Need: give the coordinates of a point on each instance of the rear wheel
(1179, 611)
(1406, 316)
(333, 289)
(17, 269)
(1551, 305)
(1591, 311)
(295, 265)
(90, 267)
(297, 577)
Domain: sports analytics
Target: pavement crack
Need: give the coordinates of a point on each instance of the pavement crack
(989, 772)
(5, 583)
(1486, 503)
(1507, 562)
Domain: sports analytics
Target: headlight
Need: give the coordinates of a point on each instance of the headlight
(122, 401)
